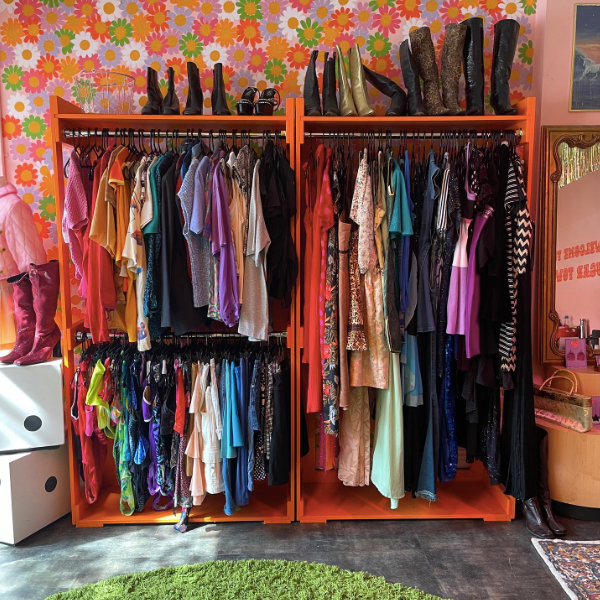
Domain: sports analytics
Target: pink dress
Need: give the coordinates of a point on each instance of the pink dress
(457, 294)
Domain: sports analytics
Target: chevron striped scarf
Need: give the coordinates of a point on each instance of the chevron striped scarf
(519, 233)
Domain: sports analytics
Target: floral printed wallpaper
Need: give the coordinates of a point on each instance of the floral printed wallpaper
(45, 44)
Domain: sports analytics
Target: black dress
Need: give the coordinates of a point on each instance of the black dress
(278, 195)
(178, 309)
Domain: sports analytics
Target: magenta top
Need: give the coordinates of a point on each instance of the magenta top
(75, 219)
(473, 342)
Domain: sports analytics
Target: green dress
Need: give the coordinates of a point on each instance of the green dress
(387, 470)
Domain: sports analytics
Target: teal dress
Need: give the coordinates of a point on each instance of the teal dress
(387, 471)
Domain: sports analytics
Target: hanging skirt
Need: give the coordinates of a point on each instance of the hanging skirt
(355, 440)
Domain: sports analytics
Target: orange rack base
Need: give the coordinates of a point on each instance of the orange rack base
(469, 496)
(267, 504)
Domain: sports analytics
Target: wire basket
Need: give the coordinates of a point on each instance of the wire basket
(105, 92)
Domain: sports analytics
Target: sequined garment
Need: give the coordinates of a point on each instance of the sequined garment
(356, 330)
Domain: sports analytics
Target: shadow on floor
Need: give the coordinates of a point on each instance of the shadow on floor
(462, 560)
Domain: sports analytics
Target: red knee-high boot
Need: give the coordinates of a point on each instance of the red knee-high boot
(44, 286)
(25, 317)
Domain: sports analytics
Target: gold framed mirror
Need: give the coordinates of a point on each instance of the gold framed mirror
(569, 240)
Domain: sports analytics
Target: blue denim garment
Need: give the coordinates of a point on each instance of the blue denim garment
(187, 159)
(426, 487)
(425, 317)
(228, 464)
(253, 424)
(242, 380)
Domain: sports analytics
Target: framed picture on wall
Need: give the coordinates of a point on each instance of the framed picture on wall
(585, 74)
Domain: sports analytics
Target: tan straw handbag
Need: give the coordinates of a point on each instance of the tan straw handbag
(567, 409)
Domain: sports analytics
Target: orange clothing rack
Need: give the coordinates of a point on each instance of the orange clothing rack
(271, 504)
(311, 496)
(320, 496)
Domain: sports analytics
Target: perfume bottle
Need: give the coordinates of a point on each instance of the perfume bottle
(582, 329)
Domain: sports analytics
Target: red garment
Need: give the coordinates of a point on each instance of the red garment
(180, 398)
(93, 448)
(309, 174)
(314, 401)
(327, 220)
(100, 280)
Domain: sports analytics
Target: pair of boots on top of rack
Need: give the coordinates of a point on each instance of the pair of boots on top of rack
(354, 97)
(462, 42)
(169, 105)
(539, 518)
(35, 296)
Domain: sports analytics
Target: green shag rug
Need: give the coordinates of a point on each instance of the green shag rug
(246, 580)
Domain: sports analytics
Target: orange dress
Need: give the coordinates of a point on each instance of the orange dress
(99, 269)
(312, 329)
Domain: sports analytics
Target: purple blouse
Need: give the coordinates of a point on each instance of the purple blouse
(222, 247)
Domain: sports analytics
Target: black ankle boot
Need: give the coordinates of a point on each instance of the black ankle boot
(506, 33)
(312, 99)
(195, 99)
(473, 58)
(412, 83)
(544, 486)
(171, 101)
(217, 98)
(155, 98)
(330, 103)
(534, 521)
(389, 88)
(245, 105)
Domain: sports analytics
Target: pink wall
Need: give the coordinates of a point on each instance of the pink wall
(553, 63)
(554, 30)
(578, 278)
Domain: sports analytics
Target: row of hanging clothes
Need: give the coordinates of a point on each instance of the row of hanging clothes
(185, 420)
(416, 309)
(182, 235)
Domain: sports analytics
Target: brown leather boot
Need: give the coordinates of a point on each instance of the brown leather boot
(452, 57)
(544, 488)
(424, 54)
(534, 521)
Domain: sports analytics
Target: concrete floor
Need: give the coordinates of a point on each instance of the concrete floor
(462, 560)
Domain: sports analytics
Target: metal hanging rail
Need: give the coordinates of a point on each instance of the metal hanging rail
(172, 133)
(82, 336)
(424, 136)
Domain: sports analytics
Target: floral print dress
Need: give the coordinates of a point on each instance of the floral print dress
(371, 366)
(330, 347)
